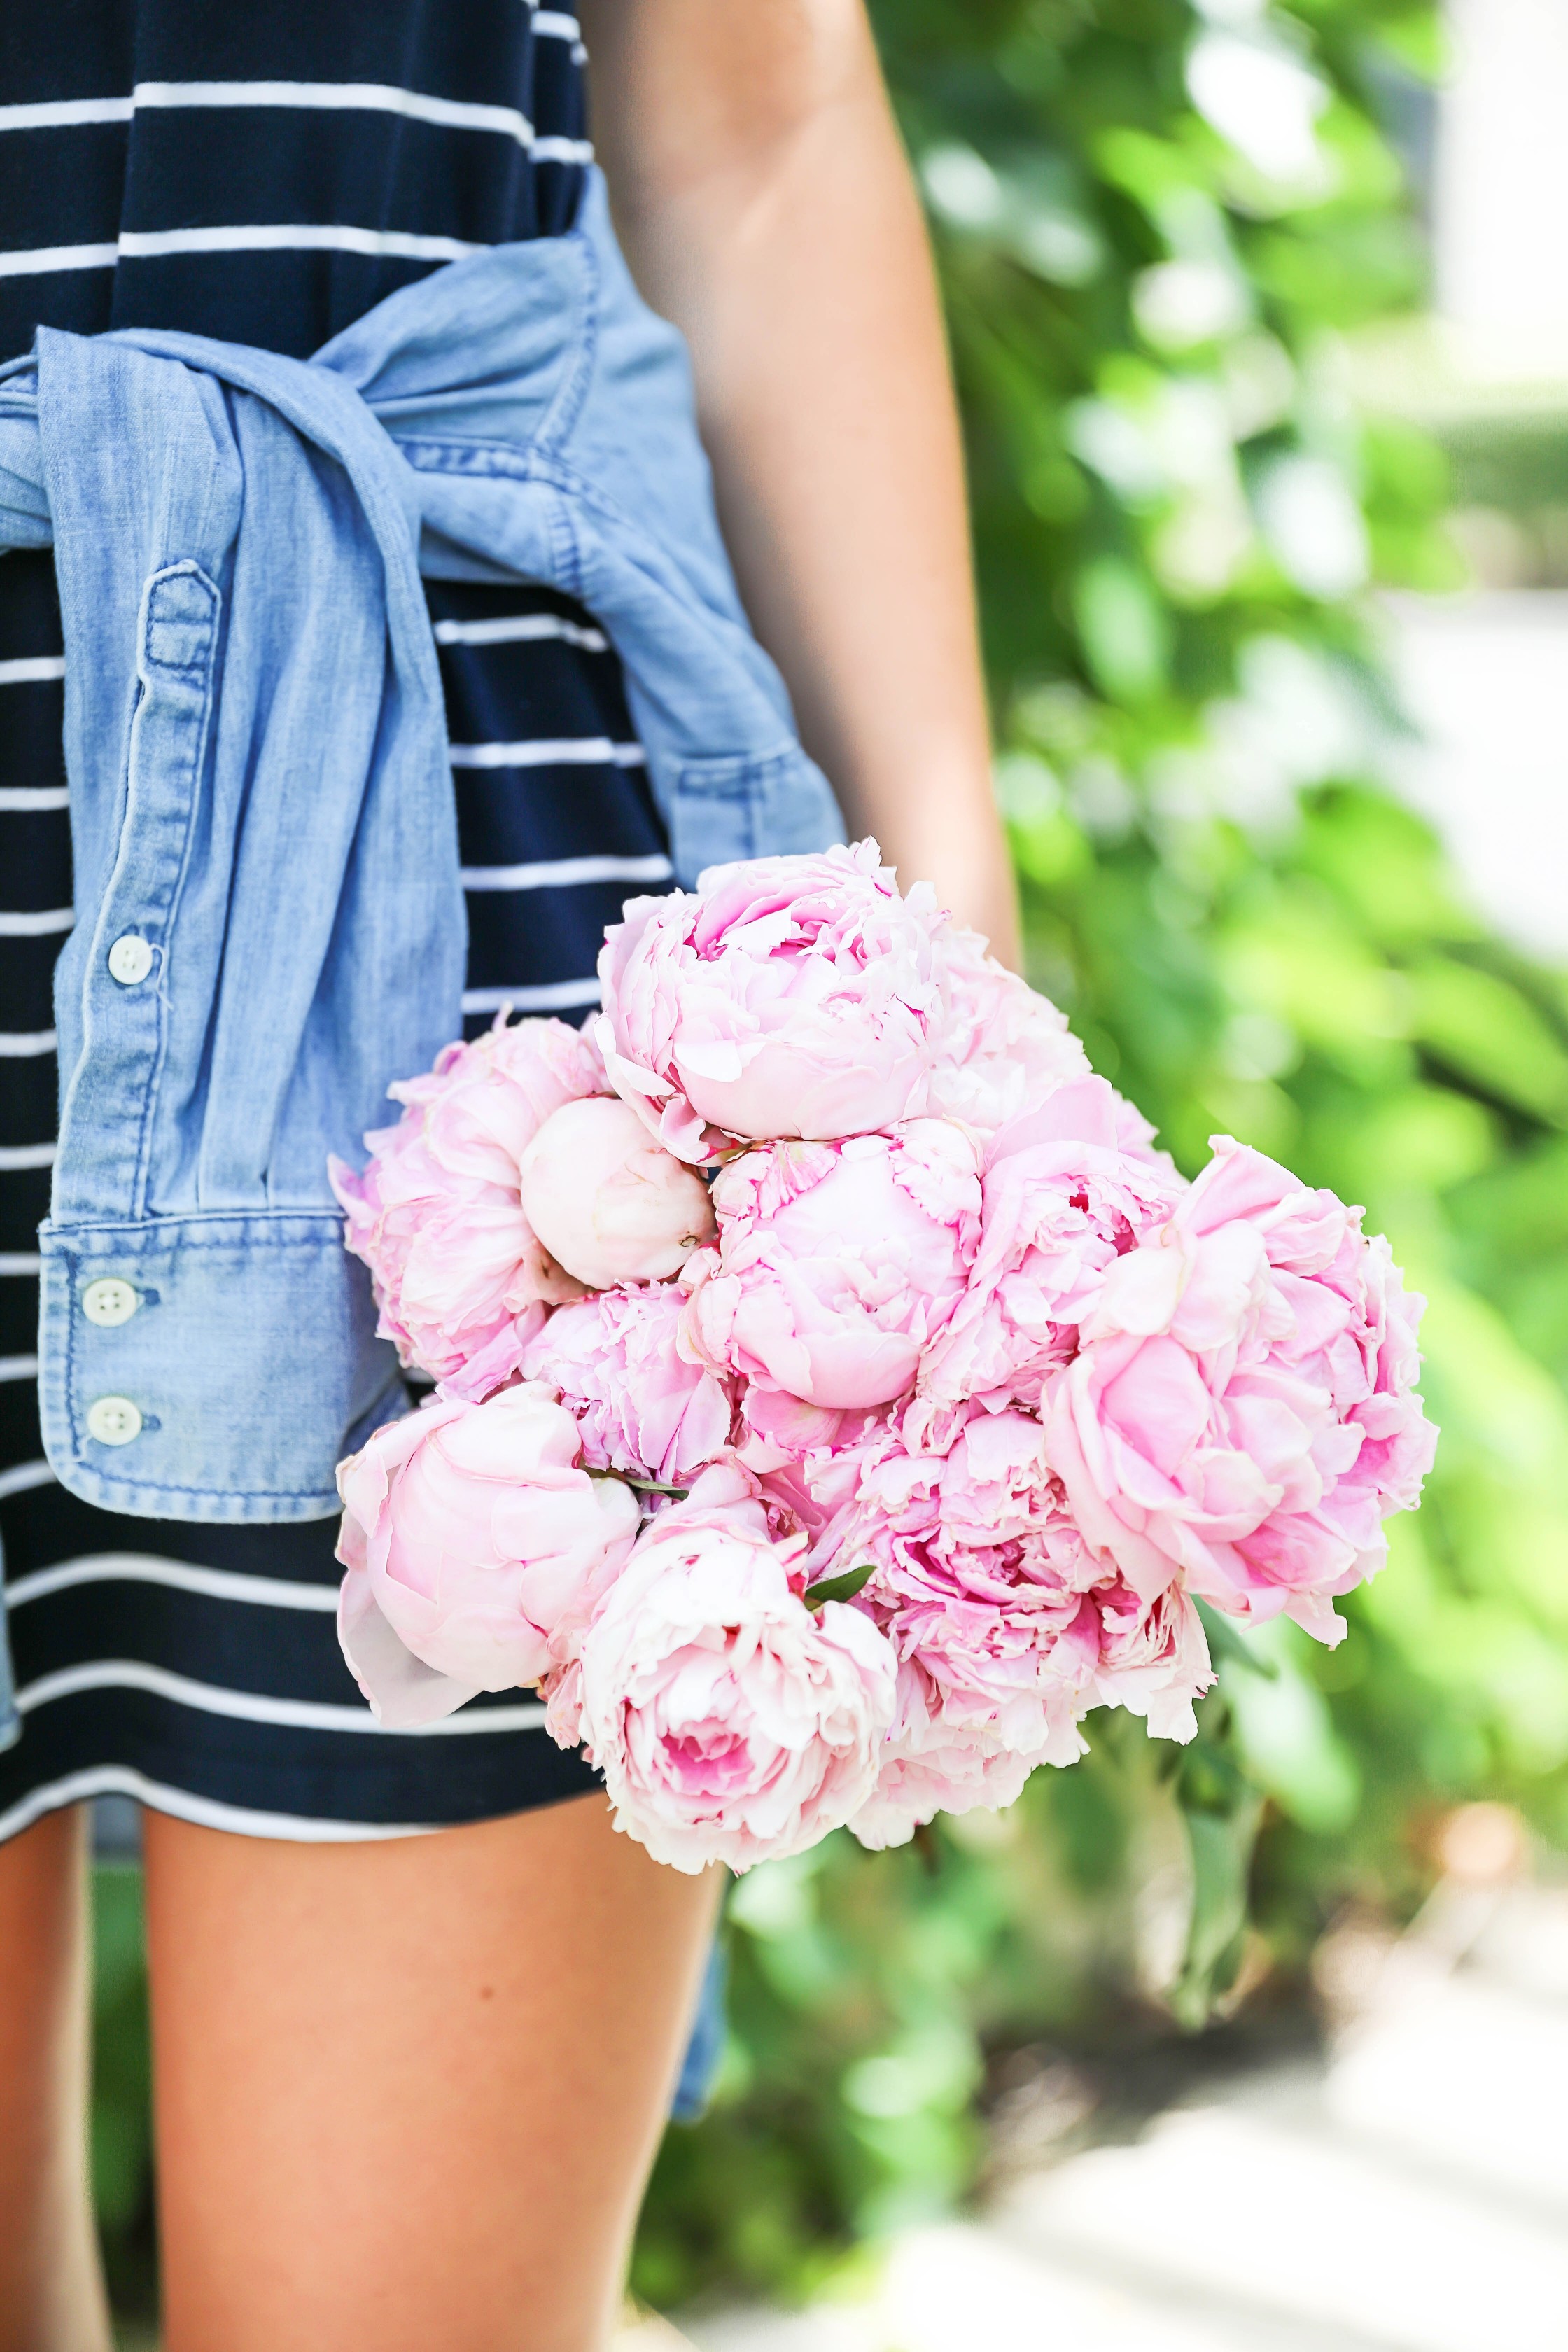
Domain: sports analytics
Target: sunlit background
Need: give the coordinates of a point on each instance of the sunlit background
(1260, 319)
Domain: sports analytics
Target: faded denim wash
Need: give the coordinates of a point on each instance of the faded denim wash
(256, 754)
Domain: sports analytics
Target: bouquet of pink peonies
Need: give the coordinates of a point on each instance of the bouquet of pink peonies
(836, 1394)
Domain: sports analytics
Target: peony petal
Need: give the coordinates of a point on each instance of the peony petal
(401, 1690)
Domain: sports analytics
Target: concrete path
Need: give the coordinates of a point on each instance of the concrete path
(1486, 678)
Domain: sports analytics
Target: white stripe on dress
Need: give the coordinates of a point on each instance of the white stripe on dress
(270, 237)
(41, 926)
(566, 752)
(31, 800)
(563, 872)
(380, 98)
(20, 1262)
(32, 669)
(41, 261)
(515, 628)
(18, 1368)
(305, 236)
(371, 96)
(554, 996)
(149, 1567)
(15, 1156)
(251, 1707)
(124, 1780)
(553, 25)
(64, 113)
(26, 1044)
(23, 1476)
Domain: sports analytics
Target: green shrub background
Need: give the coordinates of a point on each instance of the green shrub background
(1178, 515)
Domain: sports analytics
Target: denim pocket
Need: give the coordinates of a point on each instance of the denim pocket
(713, 814)
(738, 804)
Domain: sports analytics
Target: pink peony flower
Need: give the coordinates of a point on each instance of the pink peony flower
(640, 1406)
(979, 1576)
(1061, 1203)
(608, 1203)
(437, 1215)
(476, 1549)
(836, 1263)
(561, 1691)
(731, 1723)
(1243, 1410)
(1153, 1660)
(930, 1767)
(1001, 1047)
(1153, 1657)
(777, 1427)
(787, 996)
(1135, 1135)
(1006, 1631)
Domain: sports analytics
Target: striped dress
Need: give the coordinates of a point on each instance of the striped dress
(266, 174)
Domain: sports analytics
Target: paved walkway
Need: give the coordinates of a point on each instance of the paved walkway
(1409, 2195)
(1484, 676)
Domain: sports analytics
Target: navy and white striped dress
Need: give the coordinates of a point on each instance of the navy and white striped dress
(266, 174)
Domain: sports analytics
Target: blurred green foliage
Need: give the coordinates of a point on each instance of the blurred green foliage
(1155, 224)
(122, 2085)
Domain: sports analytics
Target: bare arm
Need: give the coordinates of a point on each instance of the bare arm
(766, 207)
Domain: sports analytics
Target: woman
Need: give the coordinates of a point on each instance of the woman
(408, 2087)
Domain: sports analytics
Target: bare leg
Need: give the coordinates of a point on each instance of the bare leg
(407, 2092)
(51, 2293)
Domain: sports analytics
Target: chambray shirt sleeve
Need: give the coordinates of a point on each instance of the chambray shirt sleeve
(270, 922)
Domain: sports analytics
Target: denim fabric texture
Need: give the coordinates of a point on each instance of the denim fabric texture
(705, 2043)
(269, 924)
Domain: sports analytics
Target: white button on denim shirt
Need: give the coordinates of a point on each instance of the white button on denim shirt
(230, 1011)
(113, 1419)
(130, 959)
(108, 1302)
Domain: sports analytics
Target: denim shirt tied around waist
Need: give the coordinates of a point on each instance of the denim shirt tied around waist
(269, 921)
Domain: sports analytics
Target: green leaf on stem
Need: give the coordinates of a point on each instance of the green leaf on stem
(839, 1588)
(643, 1486)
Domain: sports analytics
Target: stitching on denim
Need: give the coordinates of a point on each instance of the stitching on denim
(561, 417)
(750, 774)
(150, 1488)
(185, 568)
(71, 1084)
(154, 1055)
(197, 1229)
(566, 544)
(206, 668)
(491, 460)
(65, 1380)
